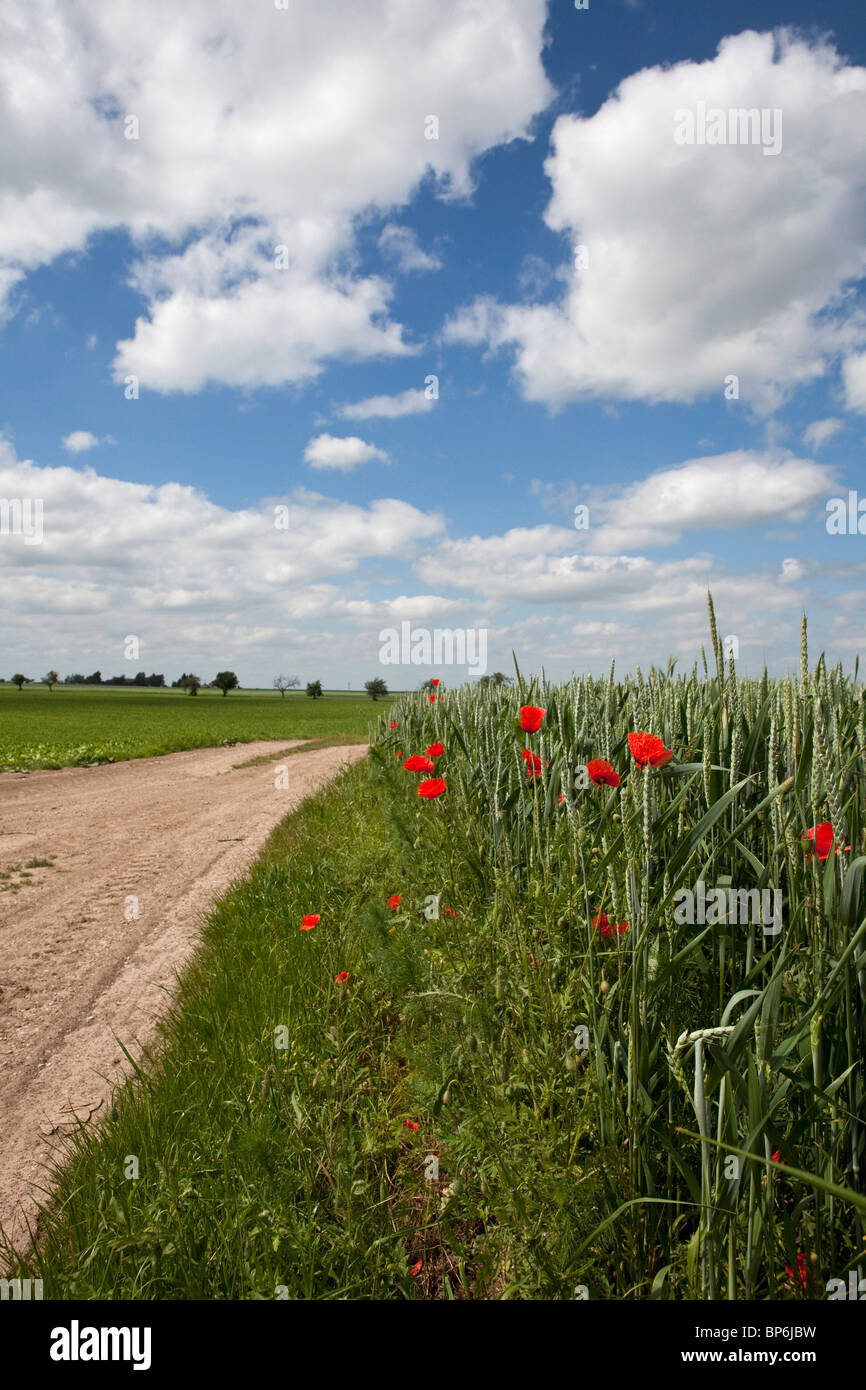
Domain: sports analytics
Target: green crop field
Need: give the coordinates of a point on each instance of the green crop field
(80, 725)
(507, 1060)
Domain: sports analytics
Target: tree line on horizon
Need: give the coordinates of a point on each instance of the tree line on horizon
(224, 681)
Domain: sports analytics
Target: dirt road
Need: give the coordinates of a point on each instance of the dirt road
(158, 837)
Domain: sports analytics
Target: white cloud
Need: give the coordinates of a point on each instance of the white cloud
(820, 432)
(854, 380)
(400, 245)
(721, 492)
(79, 441)
(257, 128)
(717, 275)
(718, 492)
(223, 575)
(326, 451)
(232, 588)
(411, 402)
(207, 327)
(792, 571)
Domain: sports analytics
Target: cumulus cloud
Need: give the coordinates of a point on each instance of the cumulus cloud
(716, 274)
(301, 576)
(820, 432)
(304, 121)
(792, 570)
(720, 492)
(226, 579)
(400, 245)
(79, 441)
(327, 451)
(411, 402)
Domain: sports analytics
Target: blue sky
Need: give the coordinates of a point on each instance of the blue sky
(261, 385)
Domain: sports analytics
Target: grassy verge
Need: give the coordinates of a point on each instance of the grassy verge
(274, 1164)
(264, 1159)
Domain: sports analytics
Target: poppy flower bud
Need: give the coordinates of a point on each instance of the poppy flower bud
(604, 987)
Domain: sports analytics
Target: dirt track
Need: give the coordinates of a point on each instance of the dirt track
(75, 974)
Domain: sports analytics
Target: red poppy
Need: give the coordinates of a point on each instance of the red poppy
(308, 922)
(394, 901)
(418, 764)
(399, 752)
(394, 726)
(434, 786)
(607, 928)
(602, 773)
(448, 912)
(413, 1125)
(533, 762)
(822, 835)
(435, 750)
(416, 1269)
(648, 750)
(802, 1271)
(436, 682)
(531, 717)
(560, 796)
(777, 1157)
(432, 699)
(342, 977)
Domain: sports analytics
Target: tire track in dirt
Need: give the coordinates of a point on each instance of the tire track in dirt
(79, 971)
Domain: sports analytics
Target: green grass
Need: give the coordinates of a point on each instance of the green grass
(605, 1109)
(262, 1167)
(79, 726)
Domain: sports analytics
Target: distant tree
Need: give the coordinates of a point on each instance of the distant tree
(375, 688)
(156, 680)
(314, 689)
(225, 681)
(51, 679)
(20, 680)
(95, 679)
(284, 683)
(191, 683)
(498, 678)
(75, 679)
(140, 678)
